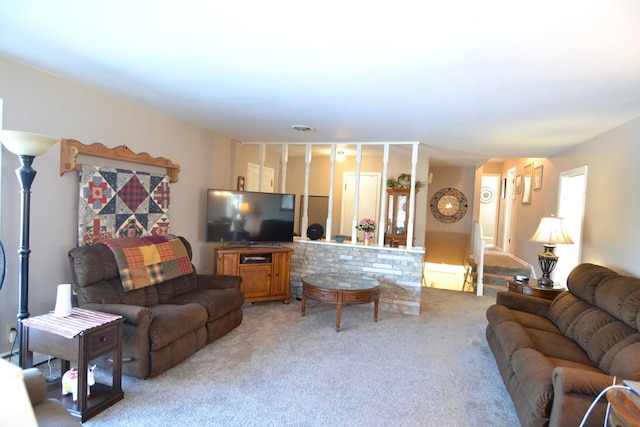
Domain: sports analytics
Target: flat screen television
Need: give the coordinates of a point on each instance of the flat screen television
(249, 217)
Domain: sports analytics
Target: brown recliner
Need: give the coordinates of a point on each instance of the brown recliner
(165, 323)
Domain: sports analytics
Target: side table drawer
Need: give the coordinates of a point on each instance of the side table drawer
(103, 341)
(361, 296)
(321, 295)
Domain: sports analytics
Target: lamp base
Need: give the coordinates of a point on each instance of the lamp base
(545, 282)
(548, 261)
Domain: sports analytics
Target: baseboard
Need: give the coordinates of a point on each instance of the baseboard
(13, 358)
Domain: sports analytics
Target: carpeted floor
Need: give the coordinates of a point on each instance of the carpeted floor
(281, 369)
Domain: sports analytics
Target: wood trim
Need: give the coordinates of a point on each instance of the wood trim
(70, 149)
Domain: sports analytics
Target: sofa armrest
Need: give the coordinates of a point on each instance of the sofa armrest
(526, 303)
(580, 381)
(574, 390)
(218, 281)
(132, 314)
(36, 385)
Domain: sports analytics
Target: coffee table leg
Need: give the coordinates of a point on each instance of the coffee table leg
(338, 316)
(304, 305)
(375, 310)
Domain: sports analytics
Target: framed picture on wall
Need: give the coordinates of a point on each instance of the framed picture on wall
(518, 188)
(537, 178)
(527, 183)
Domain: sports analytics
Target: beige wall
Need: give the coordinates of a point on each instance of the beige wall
(611, 233)
(42, 103)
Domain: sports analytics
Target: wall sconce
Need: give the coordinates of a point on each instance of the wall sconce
(26, 146)
(341, 156)
(550, 232)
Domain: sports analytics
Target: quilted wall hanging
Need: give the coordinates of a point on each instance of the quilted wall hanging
(118, 203)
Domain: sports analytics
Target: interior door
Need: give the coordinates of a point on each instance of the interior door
(571, 201)
(253, 178)
(489, 196)
(368, 200)
(509, 193)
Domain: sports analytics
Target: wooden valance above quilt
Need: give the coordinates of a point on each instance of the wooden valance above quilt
(70, 149)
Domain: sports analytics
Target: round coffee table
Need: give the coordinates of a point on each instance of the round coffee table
(341, 289)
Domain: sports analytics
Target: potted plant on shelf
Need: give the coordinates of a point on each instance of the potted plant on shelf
(403, 181)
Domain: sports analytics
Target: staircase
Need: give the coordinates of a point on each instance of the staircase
(498, 267)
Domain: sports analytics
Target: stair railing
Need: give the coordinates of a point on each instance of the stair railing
(477, 253)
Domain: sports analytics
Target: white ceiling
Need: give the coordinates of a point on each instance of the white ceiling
(471, 80)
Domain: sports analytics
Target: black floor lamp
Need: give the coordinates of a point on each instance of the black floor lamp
(26, 146)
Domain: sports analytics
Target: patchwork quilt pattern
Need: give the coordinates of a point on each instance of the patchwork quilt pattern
(117, 203)
(147, 261)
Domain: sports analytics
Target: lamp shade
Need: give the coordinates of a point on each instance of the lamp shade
(26, 143)
(551, 230)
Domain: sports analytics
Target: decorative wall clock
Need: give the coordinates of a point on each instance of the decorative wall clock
(448, 205)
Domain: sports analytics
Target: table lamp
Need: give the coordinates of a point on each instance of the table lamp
(26, 146)
(550, 232)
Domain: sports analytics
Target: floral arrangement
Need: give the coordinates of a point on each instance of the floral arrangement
(367, 225)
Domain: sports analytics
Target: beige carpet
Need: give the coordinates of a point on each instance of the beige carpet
(281, 369)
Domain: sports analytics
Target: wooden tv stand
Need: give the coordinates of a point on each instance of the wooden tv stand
(265, 271)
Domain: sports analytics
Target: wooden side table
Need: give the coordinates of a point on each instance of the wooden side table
(625, 408)
(535, 290)
(81, 337)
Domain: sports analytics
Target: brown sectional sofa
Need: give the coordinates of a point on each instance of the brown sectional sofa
(165, 323)
(556, 356)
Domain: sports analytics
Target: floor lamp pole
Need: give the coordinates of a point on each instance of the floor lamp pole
(26, 175)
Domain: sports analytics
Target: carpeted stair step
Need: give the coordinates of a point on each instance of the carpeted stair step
(498, 268)
(492, 290)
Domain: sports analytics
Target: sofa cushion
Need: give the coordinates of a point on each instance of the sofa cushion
(617, 295)
(178, 286)
(600, 313)
(555, 345)
(622, 359)
(497, 314)
(512, 337)
(172, 321)
(217, 302)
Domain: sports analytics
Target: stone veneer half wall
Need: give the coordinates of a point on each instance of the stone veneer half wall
(399, 270)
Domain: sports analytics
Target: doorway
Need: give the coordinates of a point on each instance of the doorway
(509, 196)
(368, 199)
(263, 183)
(571, 202)
(489, 193)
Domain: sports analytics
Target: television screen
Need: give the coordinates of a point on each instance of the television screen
(247, 216)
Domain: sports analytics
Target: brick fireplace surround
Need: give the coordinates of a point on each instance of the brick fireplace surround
(399, 269)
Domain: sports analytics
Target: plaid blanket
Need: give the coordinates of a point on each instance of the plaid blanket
(147, 261)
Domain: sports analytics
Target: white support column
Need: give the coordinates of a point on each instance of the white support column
(332, 161)
(283, 168)
(305, 213)
(354, 223)
(383, 197)
(412, 195)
